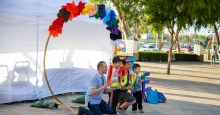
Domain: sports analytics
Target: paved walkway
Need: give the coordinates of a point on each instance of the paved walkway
(193, 88)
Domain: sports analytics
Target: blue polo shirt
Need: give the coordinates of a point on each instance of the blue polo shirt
(97, 81)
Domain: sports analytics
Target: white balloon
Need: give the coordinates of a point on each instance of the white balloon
(116, 42)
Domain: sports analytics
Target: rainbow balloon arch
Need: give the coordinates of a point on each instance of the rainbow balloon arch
(70, 11)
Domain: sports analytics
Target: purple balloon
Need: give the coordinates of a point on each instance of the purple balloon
(103, 11)
(113, 30)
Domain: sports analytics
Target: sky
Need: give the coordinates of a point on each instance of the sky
(203, 31)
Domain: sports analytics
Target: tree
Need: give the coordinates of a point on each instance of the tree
(201, 38)
(128, 14)
(185, 39)
(171, 14)
(214, 19)
(206, 14)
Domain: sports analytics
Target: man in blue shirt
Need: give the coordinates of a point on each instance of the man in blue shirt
(93, 98)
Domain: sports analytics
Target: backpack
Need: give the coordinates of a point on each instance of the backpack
(216, 56)
(152, 97)
(79, 99)
(161, 97)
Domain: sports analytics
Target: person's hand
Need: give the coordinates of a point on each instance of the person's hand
(140, 81)
(113, 88)
(130, 88)
(129, 91)
(106, 85)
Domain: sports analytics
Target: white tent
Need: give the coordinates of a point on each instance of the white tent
(71, 58)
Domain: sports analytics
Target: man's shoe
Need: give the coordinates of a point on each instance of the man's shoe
(141, 111)
(80, 111)
(121, 112)
(134, 111)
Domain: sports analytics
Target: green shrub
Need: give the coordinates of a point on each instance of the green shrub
(185, 56)
(163, 56)
(153, 56)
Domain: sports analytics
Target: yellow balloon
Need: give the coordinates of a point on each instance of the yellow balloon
(114, 84)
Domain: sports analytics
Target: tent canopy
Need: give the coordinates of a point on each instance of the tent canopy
(71, 58)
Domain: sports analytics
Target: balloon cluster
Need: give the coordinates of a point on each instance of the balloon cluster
(116, 38)
(70, 11)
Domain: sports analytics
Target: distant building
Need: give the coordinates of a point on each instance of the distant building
(147, 36)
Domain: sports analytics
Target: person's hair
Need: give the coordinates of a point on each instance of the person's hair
(123, 62)
(116, 59)
(135, 66)
(100, 64)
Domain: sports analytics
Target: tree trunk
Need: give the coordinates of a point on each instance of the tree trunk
(178, 46)
(169, 60)
(170, 51)
(123, 28)
(135, 31)
(217, 36)
(169, 56)
(171, 47)
(121, 20)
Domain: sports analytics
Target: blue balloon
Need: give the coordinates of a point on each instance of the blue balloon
(123, 49)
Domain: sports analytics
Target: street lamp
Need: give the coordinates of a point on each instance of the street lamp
(156, 39)
(189, 39)
(195, 35)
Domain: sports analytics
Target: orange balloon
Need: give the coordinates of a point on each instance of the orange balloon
(119, 48)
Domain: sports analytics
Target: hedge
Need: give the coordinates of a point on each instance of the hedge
(163, 56)
(185, 56)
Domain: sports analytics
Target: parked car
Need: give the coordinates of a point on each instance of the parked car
(192, 48)
(185, 48)
(146, 48)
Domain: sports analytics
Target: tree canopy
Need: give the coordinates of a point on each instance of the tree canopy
(175, 15)
(130, 14)
(171, 14)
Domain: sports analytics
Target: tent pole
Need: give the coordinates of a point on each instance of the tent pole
(115, 51)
